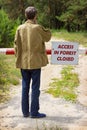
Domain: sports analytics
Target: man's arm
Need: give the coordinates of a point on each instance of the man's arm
(45, 33)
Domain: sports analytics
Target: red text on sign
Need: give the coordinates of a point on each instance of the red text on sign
(56, 52)
(65, 58)
(65, 46)
(67, 52)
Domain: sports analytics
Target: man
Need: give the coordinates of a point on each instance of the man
(30, 57)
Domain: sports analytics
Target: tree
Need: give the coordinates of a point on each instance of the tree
(14, 8)
(75, 15)
(7, 29)
(69, 14)
(4, 29)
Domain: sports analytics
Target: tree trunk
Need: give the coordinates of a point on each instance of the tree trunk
(78, 27)
(68, 26)
(86, 25)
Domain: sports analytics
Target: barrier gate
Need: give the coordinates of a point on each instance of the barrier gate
(10, 51)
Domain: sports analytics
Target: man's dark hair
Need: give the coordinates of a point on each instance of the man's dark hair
(30, 12)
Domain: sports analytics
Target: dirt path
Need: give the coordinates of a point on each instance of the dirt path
(60, 113)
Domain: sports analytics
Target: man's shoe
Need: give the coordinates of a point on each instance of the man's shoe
(39, 115)
(27, 115)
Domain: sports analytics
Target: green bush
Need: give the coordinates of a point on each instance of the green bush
(4, 29)
(66, 86)
(7, 29)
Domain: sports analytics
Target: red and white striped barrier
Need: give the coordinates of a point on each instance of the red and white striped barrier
(83, 51)
(7, 51)
(10, 51)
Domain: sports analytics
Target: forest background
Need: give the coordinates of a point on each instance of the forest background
(70, 15)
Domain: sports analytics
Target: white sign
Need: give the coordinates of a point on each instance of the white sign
(64, 53)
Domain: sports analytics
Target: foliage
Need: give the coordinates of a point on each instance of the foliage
(4, 29)
(79, 37)
(65, 87)
(13, 29)
(7, 29)
(8, 75)
(69, 14)
(75, 14)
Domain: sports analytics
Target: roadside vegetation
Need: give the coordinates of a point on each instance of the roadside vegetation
(80, 37)
(9, 76)
(65, 87)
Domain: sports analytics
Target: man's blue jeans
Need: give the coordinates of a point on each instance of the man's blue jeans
(27, 75)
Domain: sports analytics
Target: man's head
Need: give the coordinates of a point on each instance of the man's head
(30, 12)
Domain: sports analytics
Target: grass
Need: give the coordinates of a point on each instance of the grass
(80, 37)
(65, 87)
(9, 75)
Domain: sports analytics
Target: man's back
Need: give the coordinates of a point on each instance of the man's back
(30, 40)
